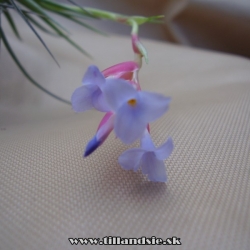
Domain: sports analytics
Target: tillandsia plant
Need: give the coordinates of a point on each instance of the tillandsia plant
(128, 111)
(115, 91)
(36, 14)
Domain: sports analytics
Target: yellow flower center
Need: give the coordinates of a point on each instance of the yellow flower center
(132, 102)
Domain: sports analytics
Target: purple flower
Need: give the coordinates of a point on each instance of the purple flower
(133, 109)
(89, 95)
(149, 158)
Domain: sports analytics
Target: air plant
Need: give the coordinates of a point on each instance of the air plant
(37, 15)
(128, 110)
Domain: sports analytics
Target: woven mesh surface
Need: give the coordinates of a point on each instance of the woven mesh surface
(49, 193)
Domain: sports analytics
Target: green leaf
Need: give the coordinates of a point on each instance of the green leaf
(73, 19)
(5, 5)
(69, 13)
(60, 33)
(59, 7)
(11, 23)
(84, 10)
(155, 19)
(38, 25)
(33, 29)
(38, 9)
(9, 49)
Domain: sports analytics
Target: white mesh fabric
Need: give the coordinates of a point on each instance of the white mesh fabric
(49, 193)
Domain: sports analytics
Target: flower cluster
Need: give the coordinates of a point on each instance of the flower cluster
(128, 111)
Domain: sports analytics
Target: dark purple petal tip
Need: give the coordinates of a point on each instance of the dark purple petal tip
(92, 146)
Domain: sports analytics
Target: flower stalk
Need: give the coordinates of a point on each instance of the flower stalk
(128, 111)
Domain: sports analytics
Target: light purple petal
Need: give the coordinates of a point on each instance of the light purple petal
(165, 150)
(93, 76)
(117, 92)
(99, 101)
(146, 142)
(81, 98)
(155, 105)
(128, 125)
(131, 159)
(154, 168)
